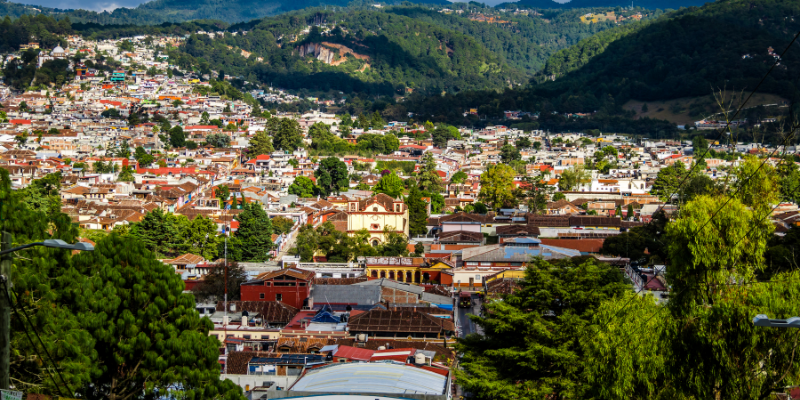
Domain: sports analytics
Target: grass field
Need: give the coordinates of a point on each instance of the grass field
(690, 109)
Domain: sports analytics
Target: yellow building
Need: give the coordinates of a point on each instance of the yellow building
(377, 214)
(408, 269)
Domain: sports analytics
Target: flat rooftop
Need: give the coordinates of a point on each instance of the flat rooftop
(388, 378)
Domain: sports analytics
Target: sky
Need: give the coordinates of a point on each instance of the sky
(94, 5)
(109, 5)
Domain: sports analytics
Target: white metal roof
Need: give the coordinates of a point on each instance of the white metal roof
(371, 378)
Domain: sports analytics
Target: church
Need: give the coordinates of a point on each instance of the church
(58, 53)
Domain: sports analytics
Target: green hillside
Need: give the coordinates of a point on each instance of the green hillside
(723, 44)
(684, 54)
(370, 52)
(524, 41)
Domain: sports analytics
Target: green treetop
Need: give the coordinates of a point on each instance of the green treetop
(332, 176)
(260, 144)
(255, 233)
(389, 184)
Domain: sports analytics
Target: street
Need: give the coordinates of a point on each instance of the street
(466, 326)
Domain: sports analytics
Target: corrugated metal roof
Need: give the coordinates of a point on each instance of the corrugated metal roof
(387, 378)
(346, 294)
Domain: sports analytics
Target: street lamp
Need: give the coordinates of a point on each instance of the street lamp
(53, 244)
(764, 321)
(5, 307)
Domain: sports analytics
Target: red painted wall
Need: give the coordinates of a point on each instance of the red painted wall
(291, 295)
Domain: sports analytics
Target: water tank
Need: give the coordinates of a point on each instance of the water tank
(419, 358)
(381, 348)
(361, 337)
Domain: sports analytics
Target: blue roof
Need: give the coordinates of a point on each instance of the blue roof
(325, 316)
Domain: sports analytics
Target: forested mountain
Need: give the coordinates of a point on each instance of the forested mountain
(525, 42)
(160, 11)
(728, 44)
(650, 4)
(367, 51)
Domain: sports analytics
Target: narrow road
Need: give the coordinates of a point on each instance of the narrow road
(466, 325)
(289, 244)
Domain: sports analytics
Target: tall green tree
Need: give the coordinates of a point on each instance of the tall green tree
(572, 178)
(532, 342)
(509, 153)
(255, 233)
(728, 359)
(176, 137)
(148, 337)
(114, 320)
(389, 184)
(260, 144)
(285, 133)
(143, 157)
(428, 179)
(199, 236)
(223, 193)
(459, 177)
(497, 186)
(668, 181)
(157, 231)
(417, 212)
(302, 187)
(332, 176)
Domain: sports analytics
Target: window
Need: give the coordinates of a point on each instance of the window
(246, 337)
(268, 284)
(472, 263)
(278, 297)
(374, 209)
(341, 360)
(261, 295)
(477, 277)
(374, 227)
(302, 283)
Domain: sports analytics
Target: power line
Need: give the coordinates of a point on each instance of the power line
(33, 328)
(794, 130)
(737, 284)
(736, 114)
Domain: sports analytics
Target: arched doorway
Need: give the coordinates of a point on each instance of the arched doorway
(416, 277)
(409, 277)
(426, 276)
(391, 274)
(399, 276)
(383, 274)
(374, 274)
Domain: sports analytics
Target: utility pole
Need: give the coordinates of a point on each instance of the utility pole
(5, 314)
(225, 302)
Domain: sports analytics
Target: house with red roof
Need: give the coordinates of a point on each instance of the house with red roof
(260, 163)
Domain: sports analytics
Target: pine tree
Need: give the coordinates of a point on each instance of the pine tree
(255, 233)
(417, 212)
